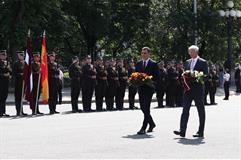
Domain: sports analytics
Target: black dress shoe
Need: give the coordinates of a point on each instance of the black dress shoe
(56, 112)
(5, 115)
(180, 133)
(213, 103)
(51, 112)
(39, 113)
(198, 135)
(141, 132)
(24, 114)
(74, 111)
(151, 128)
(225, 99)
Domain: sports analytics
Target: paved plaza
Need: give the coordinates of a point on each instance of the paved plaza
(113, 134)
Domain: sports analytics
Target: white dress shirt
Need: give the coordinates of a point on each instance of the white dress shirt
(226, 77)
(193, 63)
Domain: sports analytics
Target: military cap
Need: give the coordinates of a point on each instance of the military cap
(20, 53)
(131, 61)
(88, 57)
(52, 54)
(172, 62)
(180, 62)
(75, 58)
(3, 52)
(36, 53)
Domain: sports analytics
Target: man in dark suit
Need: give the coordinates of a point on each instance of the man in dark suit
(195, 93)
(148, 66)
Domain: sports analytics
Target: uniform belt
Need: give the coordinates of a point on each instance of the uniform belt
(103, 78)
(92, 77)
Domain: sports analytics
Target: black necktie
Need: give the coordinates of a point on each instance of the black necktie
(144, 65)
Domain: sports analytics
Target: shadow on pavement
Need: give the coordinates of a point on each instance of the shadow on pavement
(136, 136)
(19, 117)
(194, 142)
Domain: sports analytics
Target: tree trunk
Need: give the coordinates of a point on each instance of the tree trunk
(20, 9)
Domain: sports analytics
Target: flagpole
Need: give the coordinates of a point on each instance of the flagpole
(23, 86)
(36, 102)
(21, 107)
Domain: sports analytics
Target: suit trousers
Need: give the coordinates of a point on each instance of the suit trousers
(145, 97)
(196, 93)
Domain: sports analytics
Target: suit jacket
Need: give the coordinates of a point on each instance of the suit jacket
(150, 69)
(201, 65)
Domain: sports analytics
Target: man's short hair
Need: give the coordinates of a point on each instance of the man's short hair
(194, 47)
(147, 48)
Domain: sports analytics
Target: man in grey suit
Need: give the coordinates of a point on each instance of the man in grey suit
(195, 93)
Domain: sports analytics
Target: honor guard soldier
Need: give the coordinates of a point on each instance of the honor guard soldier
(180, 89)
(18, 68)
(53, 76)
(213, 83)
(172, 84)
(36, 71)
(113, 83)
(123, 77)
(76, 76)
(161, 86)
(5, 76)
(89, 83)
(100, 88)
(237, 77)
(132, 90)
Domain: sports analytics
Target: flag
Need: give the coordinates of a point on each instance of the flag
(44, 71)
(27, 72)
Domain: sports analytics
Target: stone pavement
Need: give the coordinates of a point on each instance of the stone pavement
(113, 134)
(67, 99)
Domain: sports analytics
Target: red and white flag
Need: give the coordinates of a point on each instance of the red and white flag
(27, 73)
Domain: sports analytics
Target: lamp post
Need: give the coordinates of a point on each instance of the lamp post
(195, 22)
(230, 14)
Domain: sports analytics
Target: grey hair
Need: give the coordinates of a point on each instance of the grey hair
(194, 47)
(147, 48)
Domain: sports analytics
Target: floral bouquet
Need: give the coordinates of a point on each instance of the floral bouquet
(190, 77)
(138, 79)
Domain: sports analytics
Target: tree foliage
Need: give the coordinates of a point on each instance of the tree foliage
(118, 27)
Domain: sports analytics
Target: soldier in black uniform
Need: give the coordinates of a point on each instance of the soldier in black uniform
(53, 76)
(76, 76)
(180, 89)
(237, 77)
(5, 76)
(214, 82)
(18, 68)
(89, 83)
(123, 77)
(172, 77)
(36, 71)
(161, 86)
(113, 84)
(102, 83)
(132, 90)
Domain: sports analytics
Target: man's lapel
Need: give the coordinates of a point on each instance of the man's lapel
(196, 65)
(188, 64)
(148, 65)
